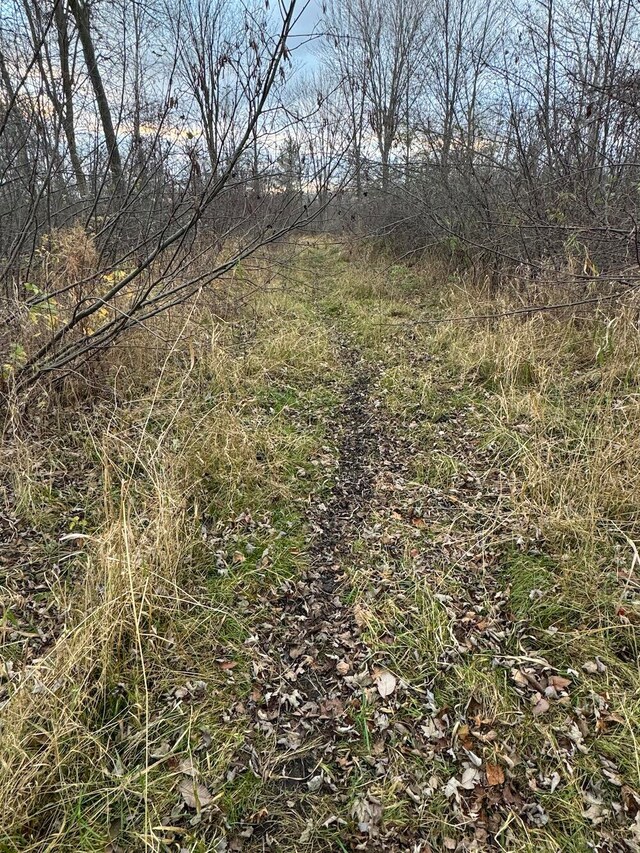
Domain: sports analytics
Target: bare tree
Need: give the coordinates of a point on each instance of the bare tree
(503, 134)
(378, 45)
(143, 226)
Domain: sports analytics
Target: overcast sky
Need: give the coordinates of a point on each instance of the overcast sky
(307, 24)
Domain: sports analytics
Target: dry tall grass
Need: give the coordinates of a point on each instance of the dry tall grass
(93, 731)
(183, 437)
(535, 416)
(566, 403)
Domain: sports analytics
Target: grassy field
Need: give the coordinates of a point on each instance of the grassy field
(488, 597)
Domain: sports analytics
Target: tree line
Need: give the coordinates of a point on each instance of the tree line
(149, 146)
(508, 128)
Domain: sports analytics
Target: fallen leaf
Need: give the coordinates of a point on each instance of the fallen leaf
(331, 707)
(596, 813)
(613, 777)
(473, 758)
(162, 751)
(519, 678)
(469, 778)
(495, 774)
(378, 748)
(314, 784)
(259, 816)
(451, 788)
(306, 832)
(385, 682)
(195, 795)
(559, 682)
(464, 736)
(593, 667)
(541, 707)
(630, 800)
(367, 813)
(535, 814)
(186, 767)
(360, 615)
(594, 801)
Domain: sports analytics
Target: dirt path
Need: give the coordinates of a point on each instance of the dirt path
(312, 668)
(338, 739)
(349, 753)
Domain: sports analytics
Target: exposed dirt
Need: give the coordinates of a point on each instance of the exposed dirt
(312, 664)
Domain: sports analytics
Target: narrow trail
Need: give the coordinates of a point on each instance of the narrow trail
(312, 664)
(330, 723)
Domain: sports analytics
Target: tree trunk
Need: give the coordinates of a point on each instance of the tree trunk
(80, 13)
(66, 113)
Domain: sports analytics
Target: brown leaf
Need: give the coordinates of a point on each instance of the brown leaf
(385, 681)
(331, 707)
(360, 615)
(511, 797)
(630, 800)
(195, 795)
(495, 774)
(519, 678)
(541, 707)
(559, 682)
(464, 736)
(259, 816)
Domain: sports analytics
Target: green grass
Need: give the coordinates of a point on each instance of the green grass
(524, 400)
(512, 540)
(239, 434)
